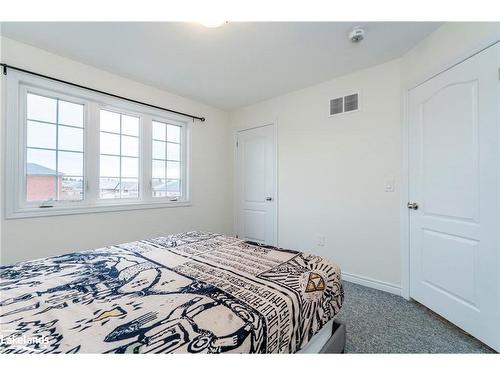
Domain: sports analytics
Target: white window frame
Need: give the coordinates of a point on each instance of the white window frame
(184, 145)
(121, 111)
(18, 83)
(24, 90)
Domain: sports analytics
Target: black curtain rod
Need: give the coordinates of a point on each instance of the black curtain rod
(5, 66)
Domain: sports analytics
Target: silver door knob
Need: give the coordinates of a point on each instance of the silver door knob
(412, 206)
(269, 199)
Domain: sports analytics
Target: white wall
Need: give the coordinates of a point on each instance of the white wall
(211, 173)
(332, 170)
(448, 44)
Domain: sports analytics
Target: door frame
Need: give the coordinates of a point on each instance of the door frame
(405, 141)
(274, 124)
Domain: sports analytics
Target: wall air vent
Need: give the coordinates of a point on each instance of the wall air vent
(348, 103)
(336, 106)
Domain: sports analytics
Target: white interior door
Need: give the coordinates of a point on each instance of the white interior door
(256, 171)
(453, 174)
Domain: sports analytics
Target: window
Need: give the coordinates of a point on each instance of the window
(54, 149)
(119, 164)
(166, 168)
(73, 151)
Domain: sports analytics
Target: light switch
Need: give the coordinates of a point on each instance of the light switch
(389, 185)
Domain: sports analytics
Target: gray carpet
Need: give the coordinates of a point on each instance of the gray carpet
(380, 322)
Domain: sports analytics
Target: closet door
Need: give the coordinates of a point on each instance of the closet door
(454, 195)
(256, 176)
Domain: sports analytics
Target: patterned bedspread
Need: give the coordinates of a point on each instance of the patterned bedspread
(192, 292)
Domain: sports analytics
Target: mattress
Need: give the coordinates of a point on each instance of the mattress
(192, 292)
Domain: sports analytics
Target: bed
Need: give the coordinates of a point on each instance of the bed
(192, 292)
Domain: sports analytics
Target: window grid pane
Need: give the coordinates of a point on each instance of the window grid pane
(47, 175)
(166, 160)
(119, 171)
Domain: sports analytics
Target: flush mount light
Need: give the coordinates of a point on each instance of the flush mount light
(212, 23)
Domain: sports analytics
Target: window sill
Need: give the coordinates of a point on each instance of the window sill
(113, 207)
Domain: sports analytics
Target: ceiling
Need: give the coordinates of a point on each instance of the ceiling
(231, 66)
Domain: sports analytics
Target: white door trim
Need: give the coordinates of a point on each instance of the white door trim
(274, 124)
(404, 196)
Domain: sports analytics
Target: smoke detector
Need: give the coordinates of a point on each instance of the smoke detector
(357, 34)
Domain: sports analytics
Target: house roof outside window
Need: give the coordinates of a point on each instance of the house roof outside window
(33, 169)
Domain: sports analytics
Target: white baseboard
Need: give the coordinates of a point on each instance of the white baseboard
(372, 283)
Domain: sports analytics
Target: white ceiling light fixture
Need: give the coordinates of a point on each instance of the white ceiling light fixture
(212, 23)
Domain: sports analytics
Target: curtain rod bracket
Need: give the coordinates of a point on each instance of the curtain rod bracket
(5, 66)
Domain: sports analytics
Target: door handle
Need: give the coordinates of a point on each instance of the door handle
(269, 199)
(412, 206)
